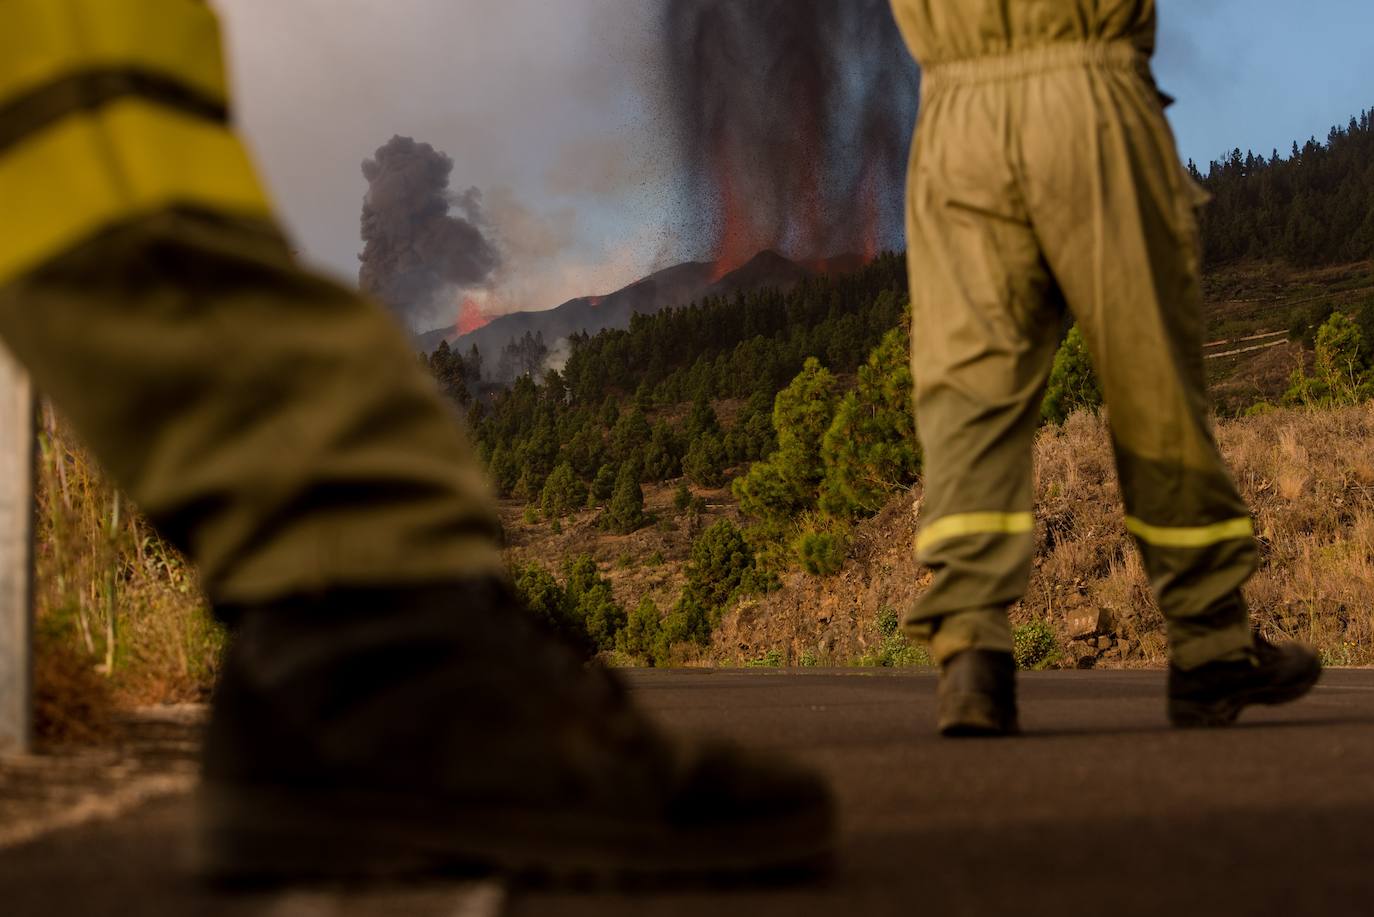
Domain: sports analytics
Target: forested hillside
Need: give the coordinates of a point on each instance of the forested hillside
(778, 421)
(1315, 207)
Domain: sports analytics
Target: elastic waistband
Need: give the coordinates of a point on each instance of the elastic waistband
(992, 68)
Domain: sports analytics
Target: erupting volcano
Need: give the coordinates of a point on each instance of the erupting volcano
(793, 118)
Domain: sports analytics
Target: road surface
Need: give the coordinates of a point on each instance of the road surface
(1099, 809)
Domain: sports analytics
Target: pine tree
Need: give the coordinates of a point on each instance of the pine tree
(788, 481)
(451, 373)
(705, 461)
(702, 419)
(626, 512)
(630, 435)
(870, 449)
(642, 636)
(720, 560)
(563, 493)
(593, 601)
(1073, 385)
(541, 595)
(662, 454)
(603, 486)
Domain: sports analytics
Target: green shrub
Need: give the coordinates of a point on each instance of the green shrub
(821, 553)
(769, 660)
(888, 621)
(1341, 375)
(689, 621)
(896, 650)
(758, 581)
(1034, 645)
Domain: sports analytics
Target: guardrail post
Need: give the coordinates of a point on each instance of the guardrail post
(17, 447)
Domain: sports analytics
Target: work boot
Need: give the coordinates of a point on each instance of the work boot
(1214, 694)
(442, 729)
(978, 695)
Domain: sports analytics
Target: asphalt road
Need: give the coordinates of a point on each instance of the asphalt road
(1099, 809)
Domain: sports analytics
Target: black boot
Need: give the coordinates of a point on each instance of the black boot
(435, 729)
(978, 695)
(1215, 693)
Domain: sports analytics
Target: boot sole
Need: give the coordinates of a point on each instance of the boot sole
(1186, 714)
(267, 836)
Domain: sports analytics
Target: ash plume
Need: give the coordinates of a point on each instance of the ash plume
(795, 118)
(422, 240)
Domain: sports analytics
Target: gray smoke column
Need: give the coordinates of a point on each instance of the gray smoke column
(423, 242)
(794, 118)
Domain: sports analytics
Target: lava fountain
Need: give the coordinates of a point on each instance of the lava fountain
(793, 119)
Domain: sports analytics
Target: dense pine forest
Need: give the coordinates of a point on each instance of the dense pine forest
(1314, 207)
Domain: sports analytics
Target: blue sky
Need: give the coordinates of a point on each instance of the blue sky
(1259, 74)
(540, 104)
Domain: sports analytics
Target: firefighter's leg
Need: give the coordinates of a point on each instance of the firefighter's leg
(385, 705)
(273, 425)
(985, 319)
(1114, 210)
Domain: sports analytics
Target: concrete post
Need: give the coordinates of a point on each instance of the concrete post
(16, 557)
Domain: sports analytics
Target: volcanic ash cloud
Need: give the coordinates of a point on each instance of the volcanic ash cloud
(422, 241)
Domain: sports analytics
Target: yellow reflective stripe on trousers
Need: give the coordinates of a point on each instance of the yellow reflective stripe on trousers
(964, 524)
(43, 41)
(91, 170)
(1201, 536)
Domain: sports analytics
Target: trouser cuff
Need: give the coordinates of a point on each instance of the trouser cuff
(952, 634)
(1221, 645)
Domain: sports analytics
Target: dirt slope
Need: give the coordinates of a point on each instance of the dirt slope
(1308, 475)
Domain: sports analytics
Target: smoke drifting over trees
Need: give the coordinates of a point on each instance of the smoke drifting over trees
(422, 240)
(794, 117)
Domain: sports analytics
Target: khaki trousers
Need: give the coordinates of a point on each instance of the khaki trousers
(1040, 180)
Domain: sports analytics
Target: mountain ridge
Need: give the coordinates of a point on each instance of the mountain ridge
(670, 287)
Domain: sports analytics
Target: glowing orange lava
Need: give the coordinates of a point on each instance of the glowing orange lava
(471, 317)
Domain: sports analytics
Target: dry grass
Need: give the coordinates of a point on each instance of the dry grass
(1309, 479)
(1308, 476)
(112, 598)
